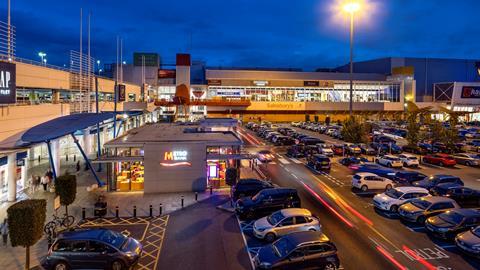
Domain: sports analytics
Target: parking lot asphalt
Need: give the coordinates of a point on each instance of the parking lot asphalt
(204, 237)
(364, 236)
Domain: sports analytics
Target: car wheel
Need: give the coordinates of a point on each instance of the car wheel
(388, 187)
(394, 208)
(364, 188)
(421, 220)
(117, 265)
(441, 164)
(468, 163)
(61, 266)
(270, 237)
(330, 266)
(389, 165)
(405, 164)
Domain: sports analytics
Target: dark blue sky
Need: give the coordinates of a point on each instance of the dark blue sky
(262, 33)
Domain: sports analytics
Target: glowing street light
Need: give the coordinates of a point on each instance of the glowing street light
(351, 7)
(42, 57)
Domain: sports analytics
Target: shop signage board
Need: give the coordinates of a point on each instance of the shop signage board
(8, 89)
(56, 203)
(175, 158)
(311, 83)
(121, 92)
(471, 92)
(214, 82)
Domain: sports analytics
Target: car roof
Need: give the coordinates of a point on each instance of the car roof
(468, 212)
(445, 176)
(247, 181)
(366, 174)
(411, 189)
(435, 199)
(449, 185)
(291, 212)
(82, 234)
(408, 155)
(301, 238)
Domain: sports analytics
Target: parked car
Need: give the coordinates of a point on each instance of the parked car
(407, 178)
(283, 222)
(389, 161)
(447, 225)
(469, 242)
(367, 150)
(375, 169)
(427, 148)
(92, 249)
(269, 135)
(443, 160)
(418, 210)
(409, 160)
(464, 196)
(438, 179)
(367, 181)
(266, 202)
(391, 199)
(248, 187)
(325, 150)
(318, 162)
(284, 140)
(414, 149)
(295, 151)
(467, 159)
(348, 161)
(265, 156)
(353, 149)
(311, 141)
(338, 149)
(301, 250)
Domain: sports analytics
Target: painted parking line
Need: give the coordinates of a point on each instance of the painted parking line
(294, 160)
(284, 161)
(416, 229)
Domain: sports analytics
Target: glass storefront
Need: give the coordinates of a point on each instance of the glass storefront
(127, 176)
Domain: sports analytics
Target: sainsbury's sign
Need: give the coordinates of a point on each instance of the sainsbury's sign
(471, 92)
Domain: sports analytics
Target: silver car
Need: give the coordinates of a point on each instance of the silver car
(285, 221)
(467, 159)
(418, 210)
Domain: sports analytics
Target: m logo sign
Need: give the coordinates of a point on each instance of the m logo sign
(471, 92)
(179, 158)
(8, 93)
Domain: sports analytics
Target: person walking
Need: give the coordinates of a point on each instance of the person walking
(78, 166)
(32, 183)
(44, 182)
(4, 231)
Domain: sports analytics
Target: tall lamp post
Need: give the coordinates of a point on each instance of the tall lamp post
(351, 8)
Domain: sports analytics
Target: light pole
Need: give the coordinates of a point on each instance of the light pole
(42, 57)
(351, 8)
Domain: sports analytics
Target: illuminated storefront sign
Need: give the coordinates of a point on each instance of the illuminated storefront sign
(7, 83)
(471, 92)
(180, 156)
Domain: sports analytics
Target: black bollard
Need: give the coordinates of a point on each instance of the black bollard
(66, 157)
(116, 211)
(160, 210)
(151, 210)
(74, 157)
(211, 190)
(134, 211)
(196, 196)
(39, 158)
(182, 201)
(83, 213)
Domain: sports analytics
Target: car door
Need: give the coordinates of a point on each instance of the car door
(286, 226)
(439, 208)
(379, 182)
(78, 255)
(318, 255)
(98, 254)
(295, 260)
(266, 205)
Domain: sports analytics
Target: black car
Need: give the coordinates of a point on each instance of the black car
(428, 148)
(92, 249)
(367, 150)
(406, 178)
(248, 187)
(266, 202)
(464, 196)
(447, 225)
(414, 149)
(319, 162)
(284, 140)
(296, 151)
(438, 179)
(352, 161)
(300, 250)
(311, 141)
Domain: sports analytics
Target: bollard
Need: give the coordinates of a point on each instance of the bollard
(182, 201)
(66, 157)
(160, 210)
(134, 211)
(116, 211)
(151, 210)
(83, 213)
(39, 158)
(74, 157)
(211, 190)
(196, 196)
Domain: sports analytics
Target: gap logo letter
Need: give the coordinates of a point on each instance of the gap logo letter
(8, 88)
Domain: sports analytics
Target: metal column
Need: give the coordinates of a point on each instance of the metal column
(52, 164)
(100, 183)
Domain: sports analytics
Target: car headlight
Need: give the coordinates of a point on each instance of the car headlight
(260, 229)
(265, 265)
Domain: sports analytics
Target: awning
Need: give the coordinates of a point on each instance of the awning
(229, 156)
(104, 159)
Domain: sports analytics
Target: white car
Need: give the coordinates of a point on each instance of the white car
(365, 181)
(325, 150)
(285, 221)
(391, 199)
(271, 134)
(409, 160)
(390, 161)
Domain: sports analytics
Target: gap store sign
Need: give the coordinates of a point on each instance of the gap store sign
(8, 89)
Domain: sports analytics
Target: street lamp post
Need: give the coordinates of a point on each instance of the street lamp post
(351, 8)
(42, 57)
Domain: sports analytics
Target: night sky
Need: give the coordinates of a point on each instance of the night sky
(248, 33)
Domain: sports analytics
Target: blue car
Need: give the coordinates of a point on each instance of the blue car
(376, 169)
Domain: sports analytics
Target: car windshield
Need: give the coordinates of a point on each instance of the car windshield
(452, 217)
(422, 204)
(113, 238)
(257, 197)
(476, 231)
(282, 247)
(393, 193)
(275, 218)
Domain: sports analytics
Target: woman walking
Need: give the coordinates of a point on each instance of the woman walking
(45, 183)
(4, 231)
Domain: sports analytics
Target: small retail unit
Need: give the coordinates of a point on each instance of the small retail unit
(170, 158)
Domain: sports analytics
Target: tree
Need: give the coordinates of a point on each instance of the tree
(66, 189)
(353, 131)
(414, 116)
(231, 176)
(437, 131)
(25, 221)
(451, 137)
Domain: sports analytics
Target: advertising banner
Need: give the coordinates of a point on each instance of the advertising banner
(471, 92)
(121, 92)
(8, 89)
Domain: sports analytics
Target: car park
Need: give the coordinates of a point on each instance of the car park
(266, 202)
(443, 160)
(375, 169)
(464, 196)
(283, 222)
(438, 179)
(391, 199)
(447, 225)
(409, 160)
(467, 159)
(92, 249)
(301, 250)
(407, 178)
(248, 187)
(389, 161)
(418, 210)
(469, 242)
(319, 162)
(265, 156)
(369, 181)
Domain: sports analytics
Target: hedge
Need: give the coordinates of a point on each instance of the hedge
(25, 221)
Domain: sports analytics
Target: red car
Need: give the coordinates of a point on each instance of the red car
(338, 149)
(440, 159)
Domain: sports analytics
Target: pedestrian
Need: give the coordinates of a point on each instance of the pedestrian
(78, 166)
(4, 231)
(38, 181)
(44, 182)
(32, 183)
